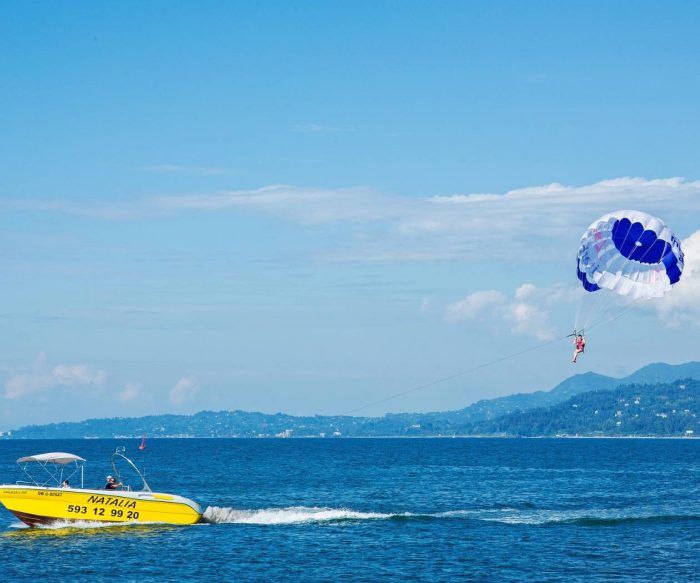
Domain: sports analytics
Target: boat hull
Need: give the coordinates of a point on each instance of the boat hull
(36, 506)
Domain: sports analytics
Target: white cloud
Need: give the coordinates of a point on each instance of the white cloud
(525, 290)
(308, 205)
(184, 390)
(78, 374)
(130, 392)
(681, 305)
(539, 219)
(617, 191)
(62, 375)
(524, 313)
(530, 320)
(539, 222)
(476, 305)
(425, 304)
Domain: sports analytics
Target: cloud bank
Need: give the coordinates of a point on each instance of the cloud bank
(529, 221)
(681, 306)
(525, 312)
(39, 380)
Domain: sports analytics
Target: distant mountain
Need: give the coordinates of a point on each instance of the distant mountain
(492, 408)
(456, 422)
(662, 409)
(473, 419)
(661, 372)
(580, 383)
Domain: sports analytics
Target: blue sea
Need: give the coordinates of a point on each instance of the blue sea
(383, 509)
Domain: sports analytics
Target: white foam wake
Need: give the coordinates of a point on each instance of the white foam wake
(291, 515)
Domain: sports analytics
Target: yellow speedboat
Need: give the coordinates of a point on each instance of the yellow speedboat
(49, 498)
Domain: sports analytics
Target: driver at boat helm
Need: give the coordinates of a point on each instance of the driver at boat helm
(112, 483)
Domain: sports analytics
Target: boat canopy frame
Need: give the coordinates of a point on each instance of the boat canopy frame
(56, 466)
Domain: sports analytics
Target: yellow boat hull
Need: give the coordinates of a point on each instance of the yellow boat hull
(36, 505)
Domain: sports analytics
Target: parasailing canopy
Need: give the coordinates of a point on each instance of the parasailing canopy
(630, 253)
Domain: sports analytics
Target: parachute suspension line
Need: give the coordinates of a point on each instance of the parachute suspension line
(605, 305)
(615, 315)
(588, 307)
(601, 309)
(577, 319)
(599, 300)
(456, 375)
(579, 312)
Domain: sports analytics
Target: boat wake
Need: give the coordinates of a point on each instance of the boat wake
(503, 515)
(317, 515)
(291, 515)
(546, 517)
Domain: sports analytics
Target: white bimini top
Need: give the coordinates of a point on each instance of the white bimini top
(54, 458)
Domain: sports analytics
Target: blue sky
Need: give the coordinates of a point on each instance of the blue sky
(281, 206)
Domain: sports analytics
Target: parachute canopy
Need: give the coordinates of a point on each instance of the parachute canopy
(630, 253)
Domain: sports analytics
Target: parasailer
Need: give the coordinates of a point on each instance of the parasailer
(580, 344)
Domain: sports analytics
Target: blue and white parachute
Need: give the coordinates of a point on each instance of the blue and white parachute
(630, 253)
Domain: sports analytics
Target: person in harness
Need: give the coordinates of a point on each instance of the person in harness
(580, 343)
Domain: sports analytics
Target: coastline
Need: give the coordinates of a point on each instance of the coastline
(350, 437)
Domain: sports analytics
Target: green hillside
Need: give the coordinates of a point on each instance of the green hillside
(662, 409)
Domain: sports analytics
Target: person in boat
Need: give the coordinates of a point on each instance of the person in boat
(112, 483)
(580, 344)
(65, 484)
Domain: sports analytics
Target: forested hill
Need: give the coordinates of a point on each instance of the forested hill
(663, 409)
(504, 415)
(652, 373)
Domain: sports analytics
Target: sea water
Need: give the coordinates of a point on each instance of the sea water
(382, 509)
